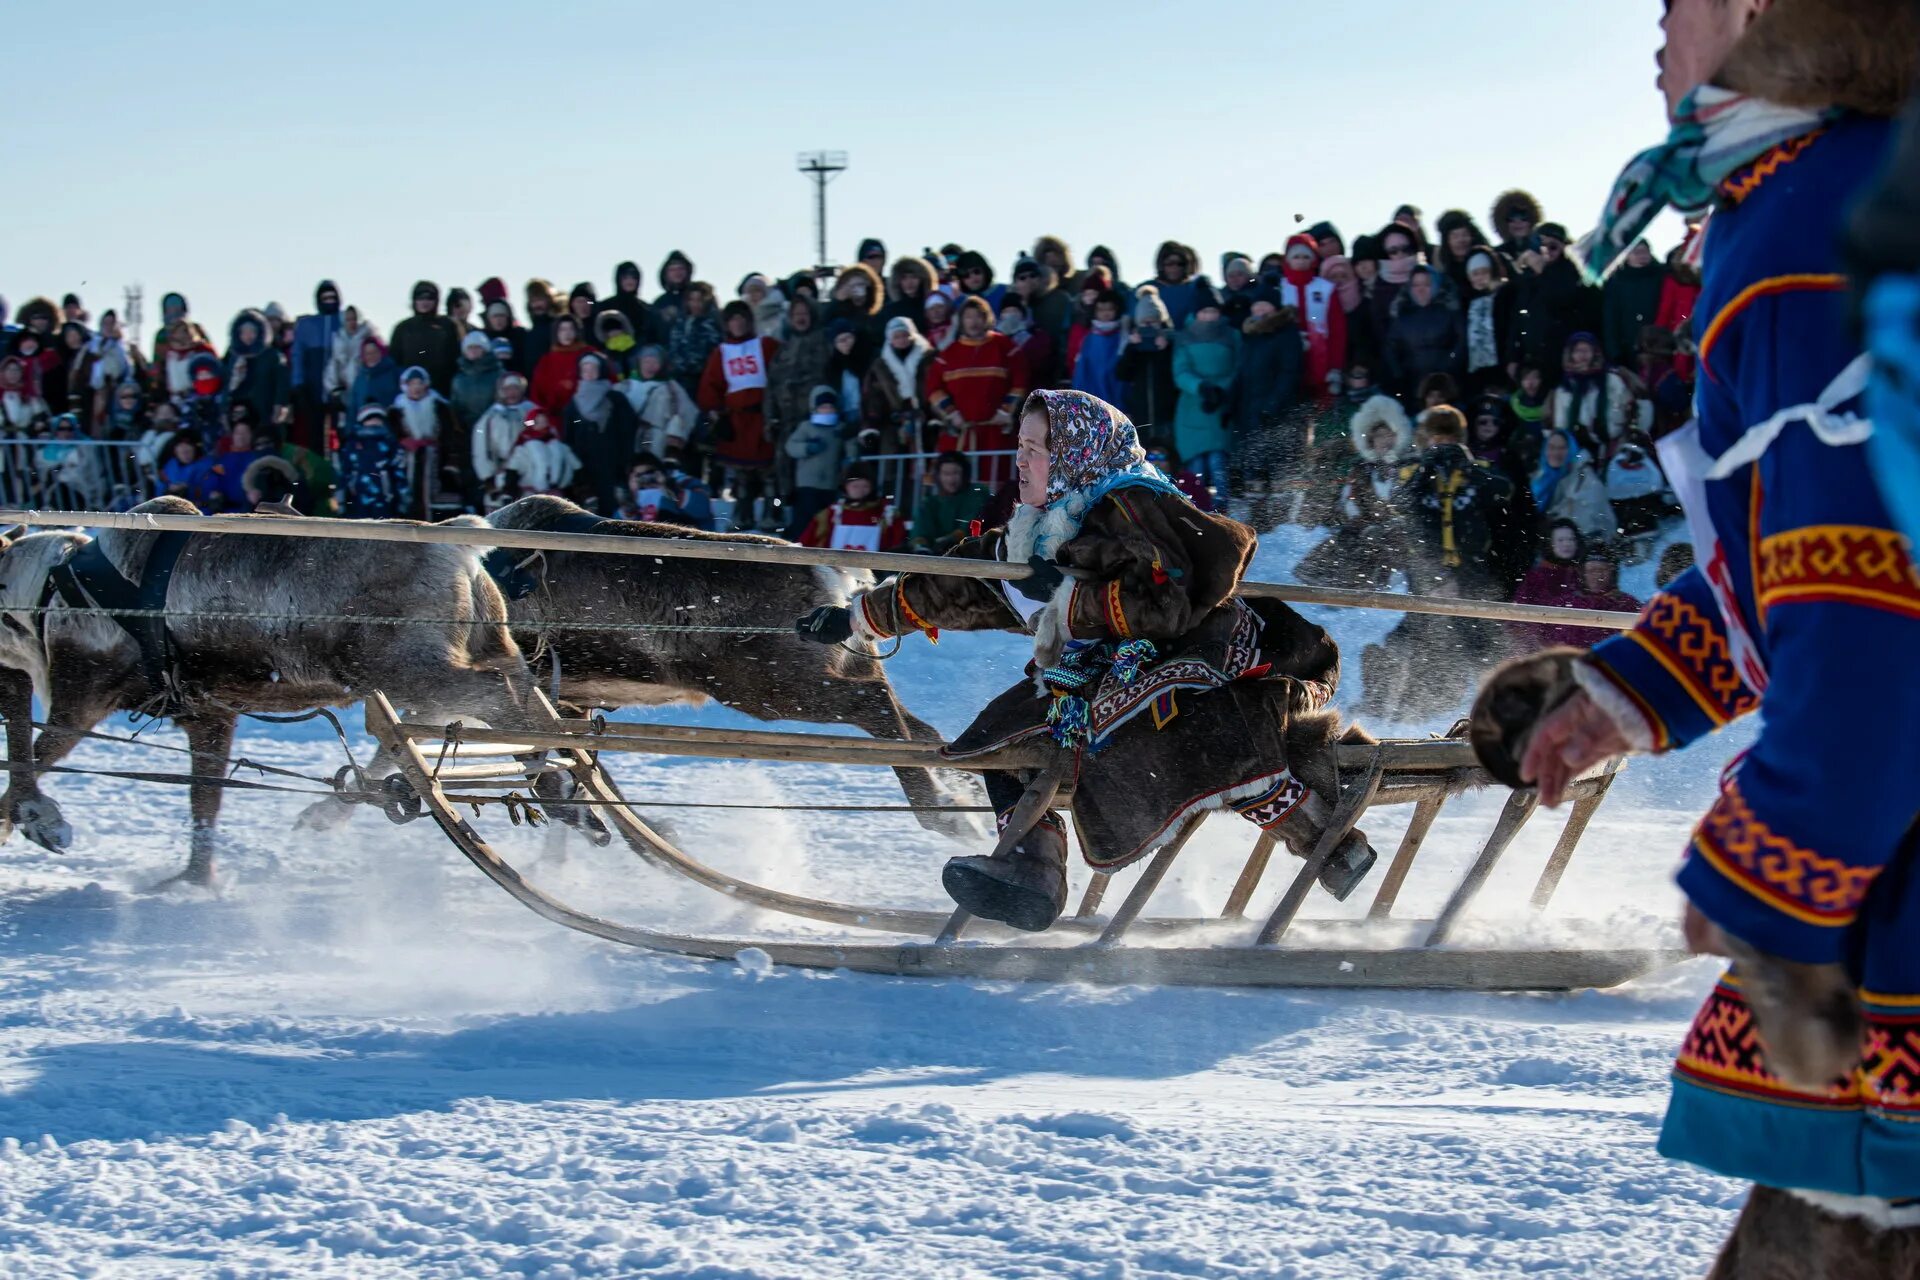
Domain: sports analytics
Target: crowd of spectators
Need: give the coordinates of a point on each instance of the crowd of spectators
(1440, 401)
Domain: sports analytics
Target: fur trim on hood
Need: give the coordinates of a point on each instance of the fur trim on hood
(1859, 55)
(251, 479)
(876, 293)
(971, 260)
(1382, 408)
(1511, 200)
(669, 260)
(38, 307)
(1174, 246)
(1045, 243)
(538, 288)
(912, 267)
(1255, 326)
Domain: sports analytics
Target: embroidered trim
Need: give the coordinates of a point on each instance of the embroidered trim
(1273, 806)
(1116, 614)
(1794, 880)
(873, 623)
(1839, 563)
(1692, 648)
(1812, 282)
(1744, 182)
(906, 612)
(1722, 1052)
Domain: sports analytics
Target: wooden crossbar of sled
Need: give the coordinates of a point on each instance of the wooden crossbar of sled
(447, 764)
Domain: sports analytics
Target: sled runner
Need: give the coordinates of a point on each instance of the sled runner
(445, 769)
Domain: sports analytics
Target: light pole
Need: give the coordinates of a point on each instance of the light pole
(822, 167)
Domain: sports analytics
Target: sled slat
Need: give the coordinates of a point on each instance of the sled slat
(1249, 877)
(1389, 892)
(1149, 881)
(1577, 819)
(1520, 806)
(1344, 818)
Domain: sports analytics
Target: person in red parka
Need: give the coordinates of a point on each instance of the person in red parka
(1679, 292)
(1555, 580)
(733, 387)
(557, 375)
(1323, 321)
(977, 385)
(861, 521)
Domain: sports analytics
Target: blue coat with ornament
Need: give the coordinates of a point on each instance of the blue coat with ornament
(1805, 603)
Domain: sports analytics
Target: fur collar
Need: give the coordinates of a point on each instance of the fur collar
(1284, 318)
(906, 373)
(1033, 531)
(1857, 55)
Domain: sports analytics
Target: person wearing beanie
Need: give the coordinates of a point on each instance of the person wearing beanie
(497, 430)
(1327, 240)
(493, 289)
(862, 520)
(664, 408)
(733, 387)
(374, 474)
(1145, 369)
(1237, 285)
(816, 449)
(428, 339)
(977, 384)
(676, 273)
(893, 398)
(1206, 354)
(642, 321)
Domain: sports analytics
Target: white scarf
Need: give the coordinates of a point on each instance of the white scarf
(906, 373)
(419, 416)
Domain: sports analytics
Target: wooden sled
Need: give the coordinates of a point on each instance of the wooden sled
(446, 768)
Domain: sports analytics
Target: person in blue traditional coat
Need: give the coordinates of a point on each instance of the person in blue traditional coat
(1801, 1073)
(1167, 693)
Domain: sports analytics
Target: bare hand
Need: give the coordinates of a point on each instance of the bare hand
(1568, 742)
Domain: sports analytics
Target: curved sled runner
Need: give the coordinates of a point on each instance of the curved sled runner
(446, 766)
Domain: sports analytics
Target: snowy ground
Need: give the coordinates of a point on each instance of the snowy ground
(361, 1060)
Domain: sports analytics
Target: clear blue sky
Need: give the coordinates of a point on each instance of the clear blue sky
(242, 152)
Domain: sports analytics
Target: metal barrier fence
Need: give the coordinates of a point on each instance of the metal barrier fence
(905, 476)
(75, 475)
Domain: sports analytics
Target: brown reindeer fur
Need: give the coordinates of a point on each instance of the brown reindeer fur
(1780, 1236)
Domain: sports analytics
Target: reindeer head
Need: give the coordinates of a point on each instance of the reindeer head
(25, 562)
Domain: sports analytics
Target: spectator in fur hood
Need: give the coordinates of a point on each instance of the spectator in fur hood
(1516, 216)
(909, 285)
(1176, 271)
(614, 335)
(543, 308)
(1368, 542)
(893, 398)
(254, 371)
(857, 299)
(1052, 252)
(676, 273)
(427, 338)
(643, 325)
(1458, 236)
(975, 277)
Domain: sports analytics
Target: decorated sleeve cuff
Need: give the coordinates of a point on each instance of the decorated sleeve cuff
(866, 626)
(1616, 704)
(1675, 668)
(1767, 889)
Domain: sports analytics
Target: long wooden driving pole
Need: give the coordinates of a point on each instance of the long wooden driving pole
(763, 552)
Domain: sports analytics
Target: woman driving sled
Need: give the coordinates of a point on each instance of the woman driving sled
(1171, 695)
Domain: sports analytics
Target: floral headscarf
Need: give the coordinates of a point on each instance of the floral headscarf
(1088, 442)
(1092, 450)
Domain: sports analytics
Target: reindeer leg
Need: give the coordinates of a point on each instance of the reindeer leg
(16, 704)
(36, 816)
(210, 737)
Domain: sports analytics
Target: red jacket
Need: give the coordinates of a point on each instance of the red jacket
(557, 374)
(868, 525)
(734, 386)
(979, 378)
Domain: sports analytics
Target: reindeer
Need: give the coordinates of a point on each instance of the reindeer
(460, 660)
(769, 677)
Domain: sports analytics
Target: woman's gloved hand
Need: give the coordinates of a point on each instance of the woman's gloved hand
(1046, 579)
(829, 624)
